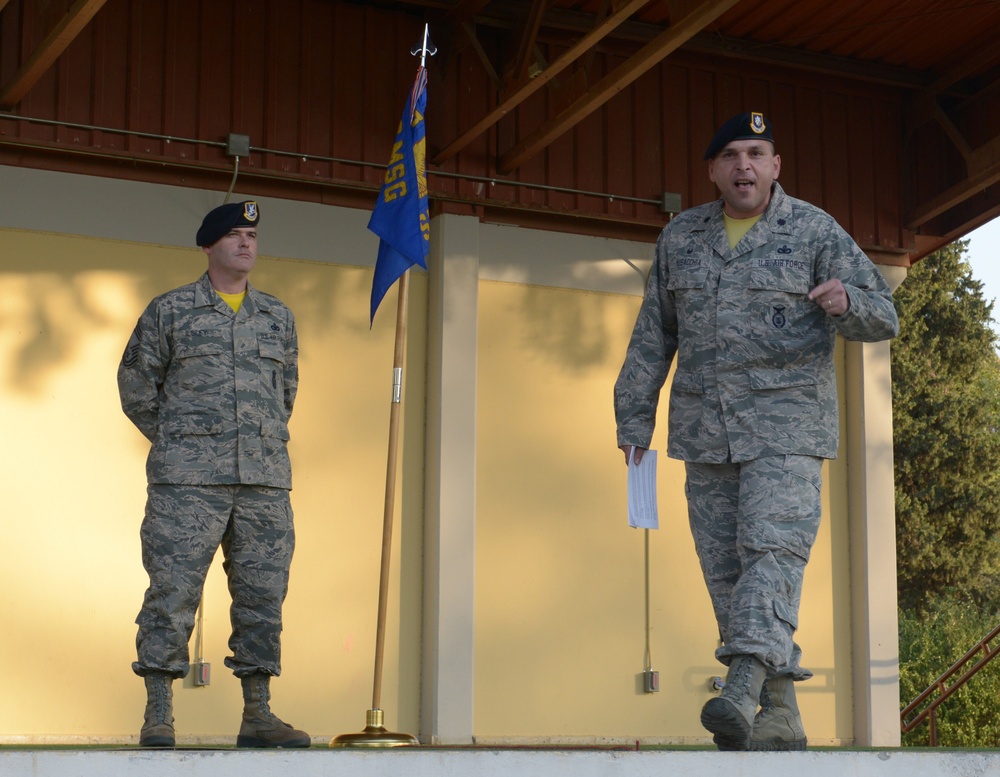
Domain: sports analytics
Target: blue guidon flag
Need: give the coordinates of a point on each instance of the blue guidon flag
(400, 217)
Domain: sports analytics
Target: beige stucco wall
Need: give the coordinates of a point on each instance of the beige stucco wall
(558, 579)
(73, 468)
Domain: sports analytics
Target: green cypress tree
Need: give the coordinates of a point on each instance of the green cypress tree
(946, 418)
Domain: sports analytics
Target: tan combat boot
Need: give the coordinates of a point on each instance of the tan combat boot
(260, 727)
(778, 725)
(158, 723)
(730, 715)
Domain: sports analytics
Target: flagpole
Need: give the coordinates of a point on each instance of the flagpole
(375, 734)
(399, 352)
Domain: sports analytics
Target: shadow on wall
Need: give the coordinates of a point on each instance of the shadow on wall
(50, 305)
(569, 334)
(74, 470)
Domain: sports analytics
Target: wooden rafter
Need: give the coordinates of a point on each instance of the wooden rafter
(984, 170)
(646, 58)
(600, 16)
(481, 54)
(521, 94)
(976, 61)
(982, 164)
(461, 17)
(529, 34)
(464, 11)
(678, 9)
(48, 51)
(924, 107)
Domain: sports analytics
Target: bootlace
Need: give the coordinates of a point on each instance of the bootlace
(766, 702)
(160, 701)
(739, 684)
(263, 694)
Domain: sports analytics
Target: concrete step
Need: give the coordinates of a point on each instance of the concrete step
(486, 762)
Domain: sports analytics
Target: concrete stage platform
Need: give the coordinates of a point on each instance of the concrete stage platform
(485, 762)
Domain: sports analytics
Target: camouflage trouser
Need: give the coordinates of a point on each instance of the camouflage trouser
(754, 524)
(183, 527)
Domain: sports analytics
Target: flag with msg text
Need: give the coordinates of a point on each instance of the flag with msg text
(400, 218)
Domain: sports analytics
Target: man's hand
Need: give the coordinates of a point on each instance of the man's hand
(831, 296)
(627, 449)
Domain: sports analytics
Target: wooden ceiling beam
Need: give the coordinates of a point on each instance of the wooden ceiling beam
(464, 12)
(484, 60)
(521, 94)
(456, 29)
(529, 34)
(974, 63)
(924, 108)
(499, 13)
(809, 61)
(678, 9)
(621, 77)
(48, 51)
(984, 170)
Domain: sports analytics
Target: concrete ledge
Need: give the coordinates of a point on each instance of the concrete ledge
(431, 762)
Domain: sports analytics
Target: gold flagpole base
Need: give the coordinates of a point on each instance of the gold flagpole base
(374, 735)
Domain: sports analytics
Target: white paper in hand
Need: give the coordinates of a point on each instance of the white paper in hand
(642, 512)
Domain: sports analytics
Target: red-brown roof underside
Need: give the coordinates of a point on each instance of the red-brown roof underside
(590, 117)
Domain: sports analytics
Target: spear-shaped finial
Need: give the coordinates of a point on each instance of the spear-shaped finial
(425, 48)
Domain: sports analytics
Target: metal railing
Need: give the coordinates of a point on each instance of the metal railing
(926, 704)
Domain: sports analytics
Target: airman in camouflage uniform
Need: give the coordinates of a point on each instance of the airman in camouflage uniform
(209, 376)
(753, 406)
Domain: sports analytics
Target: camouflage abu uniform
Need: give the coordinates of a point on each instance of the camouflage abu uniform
(754, 390)
(213, 391)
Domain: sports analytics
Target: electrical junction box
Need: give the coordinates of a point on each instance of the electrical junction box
(651, 681)
(202, 673)
(237, 145)
(670, 202)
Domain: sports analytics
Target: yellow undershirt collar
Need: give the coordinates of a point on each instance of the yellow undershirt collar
(737, 228)
(235, 301)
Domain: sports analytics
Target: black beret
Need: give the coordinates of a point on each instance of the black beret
(220, 220)
(746, 126)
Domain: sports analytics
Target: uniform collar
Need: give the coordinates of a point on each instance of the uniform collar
(205, 296)
(776, 219)
(779, 211)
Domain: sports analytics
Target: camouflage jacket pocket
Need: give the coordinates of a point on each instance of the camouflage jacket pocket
(271, 348)
(766, 380)
(692, 277)
(181, 426)
(688, 383)
(272, 427)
